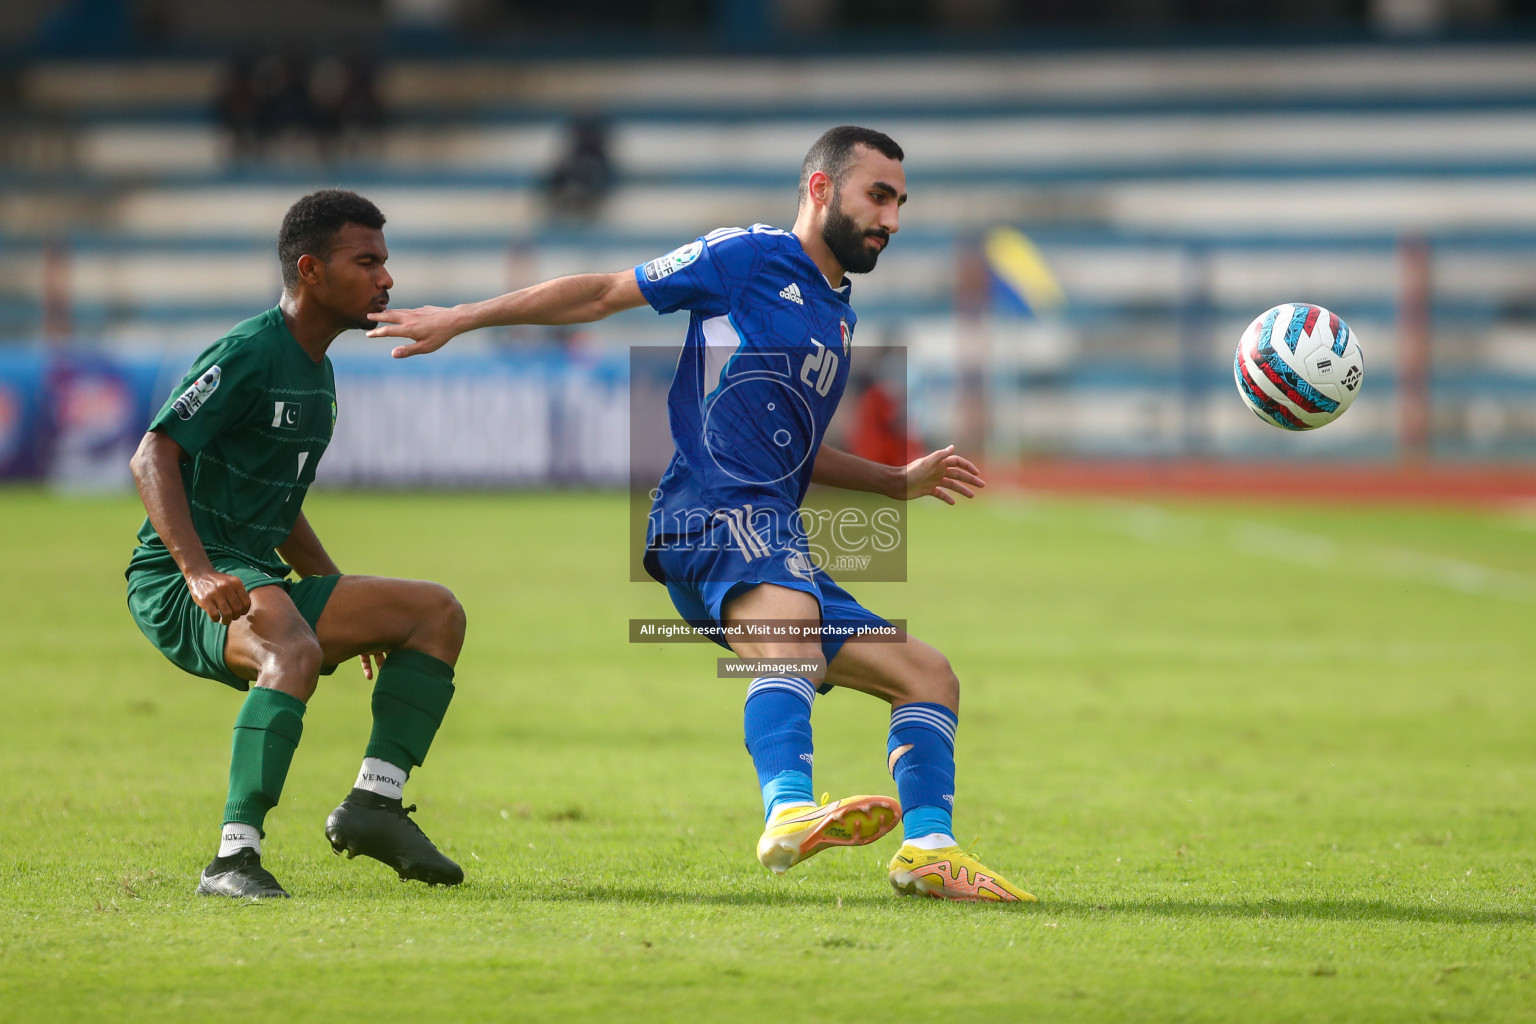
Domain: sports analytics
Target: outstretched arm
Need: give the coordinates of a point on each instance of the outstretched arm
(936, 473)
(578, 299)
(837, 468)
(157, 472)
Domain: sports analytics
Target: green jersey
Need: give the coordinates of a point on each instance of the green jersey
(254, 414)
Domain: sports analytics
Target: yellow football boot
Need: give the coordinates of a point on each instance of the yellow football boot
(951, 874)
(795, 833)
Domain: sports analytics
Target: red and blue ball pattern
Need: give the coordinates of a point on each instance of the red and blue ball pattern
(1298, 366)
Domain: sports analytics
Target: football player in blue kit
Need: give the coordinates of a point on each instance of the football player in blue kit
(760, 375)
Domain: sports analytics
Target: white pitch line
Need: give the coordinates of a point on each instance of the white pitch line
(1284, 544)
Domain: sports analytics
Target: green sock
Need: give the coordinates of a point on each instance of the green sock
(267, 732)
(409, 700)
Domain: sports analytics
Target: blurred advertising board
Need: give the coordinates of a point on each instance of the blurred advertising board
(480, 421)
(73, 418)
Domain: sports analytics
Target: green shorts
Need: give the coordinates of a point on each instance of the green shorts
(163, 609)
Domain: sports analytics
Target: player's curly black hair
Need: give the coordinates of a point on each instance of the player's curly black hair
(310, 226)
(832, 154)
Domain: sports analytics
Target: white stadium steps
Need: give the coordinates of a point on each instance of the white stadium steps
(1177, 146)
(1103, 144)
(1286, 139)
(1285, 206)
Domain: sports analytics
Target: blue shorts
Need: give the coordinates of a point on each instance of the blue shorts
(703, 572)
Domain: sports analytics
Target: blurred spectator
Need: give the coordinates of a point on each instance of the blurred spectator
(348, 115)
(418, 17)
(280, 105)
(879, 429)
(582, 179)
(283, 113)
(1430, 17)
(239, 108)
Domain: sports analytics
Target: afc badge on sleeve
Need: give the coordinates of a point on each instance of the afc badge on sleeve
(192, 399)
(673, 261)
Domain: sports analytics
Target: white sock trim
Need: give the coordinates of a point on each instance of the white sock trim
(236, 835)
(381, 777)
(932, 841)
(800, 687)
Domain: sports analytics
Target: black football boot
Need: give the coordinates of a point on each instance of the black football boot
(241, 876)
(378, 827)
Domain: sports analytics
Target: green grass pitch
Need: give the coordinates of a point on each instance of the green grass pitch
(1258, 763)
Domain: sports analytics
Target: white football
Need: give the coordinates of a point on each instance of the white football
(1298, 366)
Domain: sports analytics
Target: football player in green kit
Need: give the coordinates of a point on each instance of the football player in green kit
(223, 472)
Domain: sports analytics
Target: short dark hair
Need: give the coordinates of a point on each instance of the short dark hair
(832, 154)
(310, 226)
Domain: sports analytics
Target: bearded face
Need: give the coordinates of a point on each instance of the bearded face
(856, 247)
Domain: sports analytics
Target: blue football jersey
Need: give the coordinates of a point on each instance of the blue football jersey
(760, 376)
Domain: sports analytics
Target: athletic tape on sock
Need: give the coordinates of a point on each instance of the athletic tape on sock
(381, 777)
(236, 836)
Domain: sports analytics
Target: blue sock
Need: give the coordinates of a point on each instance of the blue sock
(777, 722)
(922, 761)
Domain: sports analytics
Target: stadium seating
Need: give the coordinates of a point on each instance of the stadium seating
(1163, 146)
(1165, 189)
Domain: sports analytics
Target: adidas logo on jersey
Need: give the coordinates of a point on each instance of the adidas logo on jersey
(792, 293)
